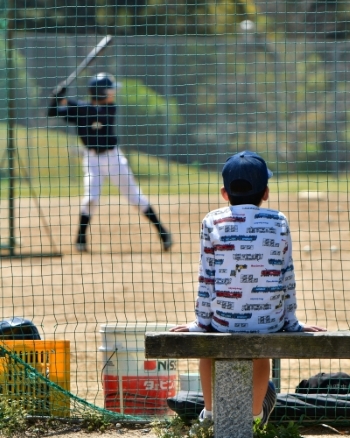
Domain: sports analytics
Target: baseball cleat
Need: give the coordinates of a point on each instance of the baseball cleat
(167, 241)
(80, 244)
(81, 247)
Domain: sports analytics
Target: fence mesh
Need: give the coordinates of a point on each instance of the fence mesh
(194, 84)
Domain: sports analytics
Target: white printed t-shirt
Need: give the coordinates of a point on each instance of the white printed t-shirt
(246, 276)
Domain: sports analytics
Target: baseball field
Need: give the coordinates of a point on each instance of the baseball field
(125, 276)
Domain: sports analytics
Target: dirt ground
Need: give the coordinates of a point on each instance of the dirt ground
(146, 431)
(126, 277)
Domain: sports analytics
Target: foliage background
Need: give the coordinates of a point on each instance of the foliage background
(199, 84)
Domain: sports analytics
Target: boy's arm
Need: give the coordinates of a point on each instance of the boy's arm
(313, 328)
(57, 98)
(292, 323)
(180, 328)
(206, 283)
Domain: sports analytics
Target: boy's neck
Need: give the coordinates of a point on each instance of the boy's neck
(240, 205)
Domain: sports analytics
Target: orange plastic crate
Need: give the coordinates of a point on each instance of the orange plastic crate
(49, 358)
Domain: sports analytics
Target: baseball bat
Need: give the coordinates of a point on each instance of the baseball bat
(101, 46)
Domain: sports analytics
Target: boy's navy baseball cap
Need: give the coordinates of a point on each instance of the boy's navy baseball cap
(247, 166)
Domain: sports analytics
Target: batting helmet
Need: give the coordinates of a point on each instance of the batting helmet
(100, 84)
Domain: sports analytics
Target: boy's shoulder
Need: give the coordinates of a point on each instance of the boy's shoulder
(217, 214)
(251, 210)
(269, 213)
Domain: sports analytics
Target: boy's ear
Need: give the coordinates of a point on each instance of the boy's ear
(266, 194)
(224, 194)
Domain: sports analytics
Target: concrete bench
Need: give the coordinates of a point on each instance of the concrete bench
(233, 355)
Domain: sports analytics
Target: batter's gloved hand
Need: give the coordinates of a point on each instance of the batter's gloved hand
(57, 94)
(59, 91)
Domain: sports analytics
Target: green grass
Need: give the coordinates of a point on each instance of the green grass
(53, 162)
(176, 428)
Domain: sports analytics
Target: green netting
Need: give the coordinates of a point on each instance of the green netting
(42, 397)
(196, 82)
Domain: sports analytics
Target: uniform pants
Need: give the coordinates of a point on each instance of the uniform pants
(112, 164)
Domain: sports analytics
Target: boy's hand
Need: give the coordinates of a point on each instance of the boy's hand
(313, 328)
(180, 328)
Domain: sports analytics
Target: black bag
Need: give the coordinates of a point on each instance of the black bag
(325, 383)
(187, 404)
(325, 395)
(17, 328)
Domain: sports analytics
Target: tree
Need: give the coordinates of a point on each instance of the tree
(134, 17)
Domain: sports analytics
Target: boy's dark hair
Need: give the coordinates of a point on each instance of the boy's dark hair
(243, 186)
